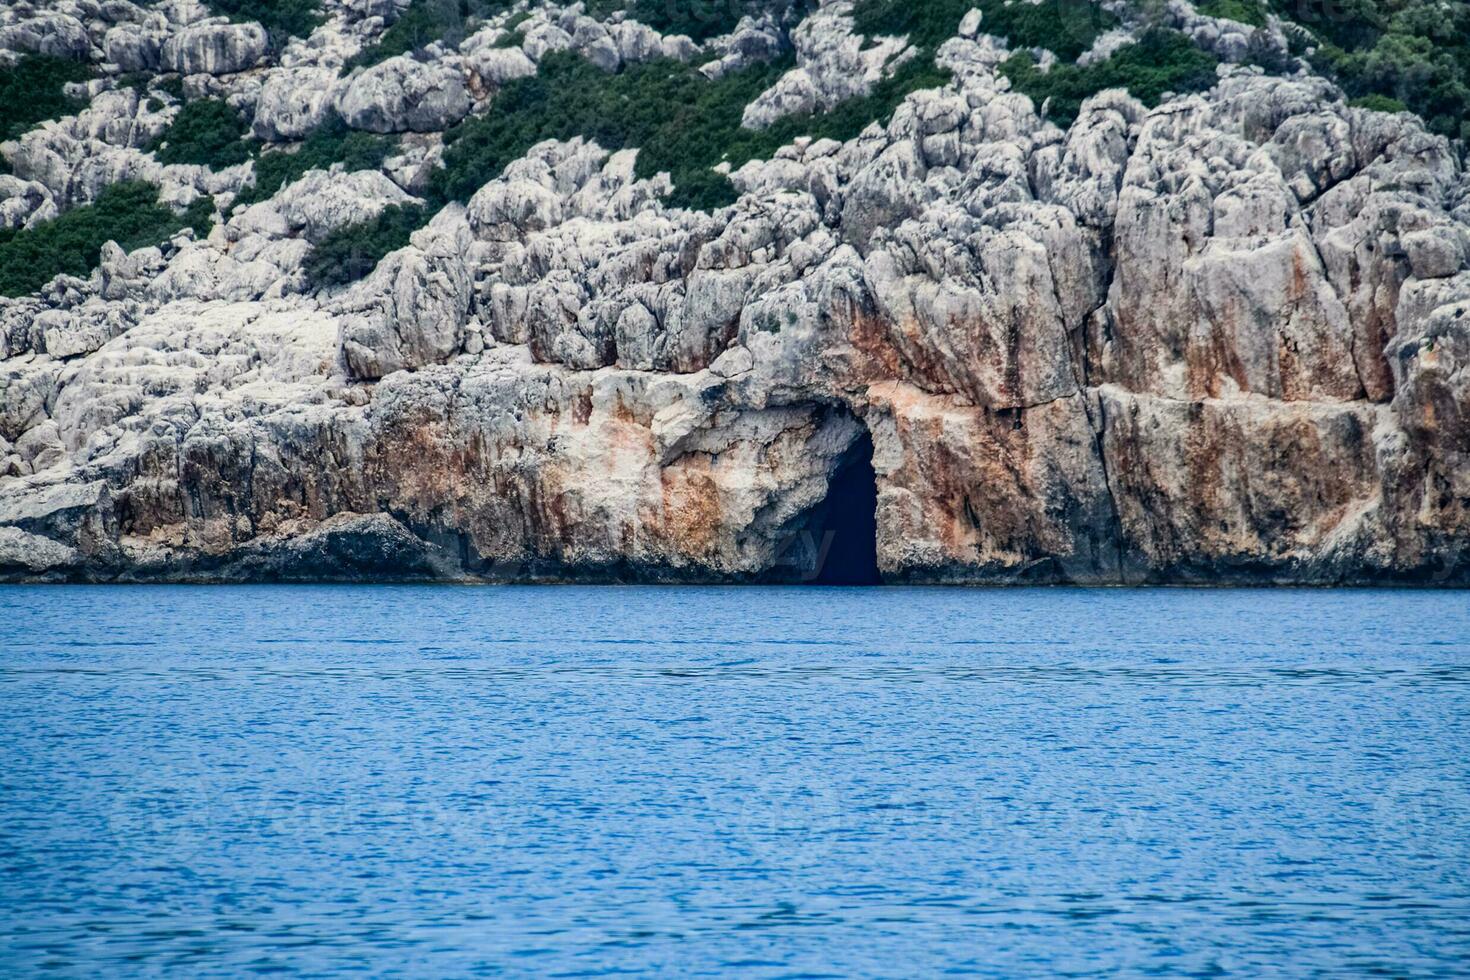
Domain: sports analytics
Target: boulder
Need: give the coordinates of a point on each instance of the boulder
(215, 49)
(402, 95)
(293, 102)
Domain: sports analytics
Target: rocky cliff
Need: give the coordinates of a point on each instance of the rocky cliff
(1222, 339)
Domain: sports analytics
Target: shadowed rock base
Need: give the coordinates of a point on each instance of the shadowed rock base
(846, 524)
(1224, 340)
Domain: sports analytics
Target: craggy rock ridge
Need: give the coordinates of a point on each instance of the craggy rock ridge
(1223, 340)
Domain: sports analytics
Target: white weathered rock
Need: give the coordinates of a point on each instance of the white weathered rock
(1222, 339)
(412, 310)
(833, 64)
(56, 34)
(496, 66)
(319, 203)
(293, 102)
(33, 552)
(215, 49)
(134, 47)
(402, 95)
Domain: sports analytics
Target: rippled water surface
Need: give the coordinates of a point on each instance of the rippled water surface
(439, 781)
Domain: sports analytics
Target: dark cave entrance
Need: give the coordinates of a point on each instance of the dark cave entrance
(842, 534)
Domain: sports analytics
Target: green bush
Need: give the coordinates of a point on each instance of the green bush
(199, 216)
(700, 19)
(424, 22)
(1413, 52)
(128, 213)
(683, 122)
(135, 80)
(1161, 61)
(1066, 27)
(282, 18)
(332, 142)
(31, 92)
(1378, 103)
(844, 121)
(1244, 11)
(207, 132)
(171, 85)
(351, 252)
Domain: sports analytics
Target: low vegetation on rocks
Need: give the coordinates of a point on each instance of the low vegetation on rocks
(1161, 61)
(422, 23)
(1413, 52)
(700, 19)
(282, 18)
(683, 122)
(1066, 27)
(1242, 11)
(331, 143)
(206, 132)
(351, 252)
(33, 90)
(842, 122)
(128, 213)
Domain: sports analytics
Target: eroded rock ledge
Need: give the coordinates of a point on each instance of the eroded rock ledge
(1221, 341)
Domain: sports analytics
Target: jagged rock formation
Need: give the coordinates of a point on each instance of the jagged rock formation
(1226, 339)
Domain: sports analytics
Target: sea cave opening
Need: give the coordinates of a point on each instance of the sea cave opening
(842, 534)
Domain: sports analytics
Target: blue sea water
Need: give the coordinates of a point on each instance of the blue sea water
(774, 782)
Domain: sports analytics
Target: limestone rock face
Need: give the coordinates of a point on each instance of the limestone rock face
(832, 64)
(293, 102)
(133, 47)
(496, 66)
(1226, 339)
(214, 49)
(319, 203)
(59, 35)
(412, 310)
(402, 95)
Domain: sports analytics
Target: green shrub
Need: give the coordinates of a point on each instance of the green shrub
(1161, 61)
(1348, 24)
(332, 142)
(351, 252)
(1413, 52)
(128, 213)
(1066, 27)
(1379, 103)
(199, 216)
(170, 85)
(207, 132)
(282, 18)
(700, 19)
(424, 22)
(683, 122)
(844, 121)
(1243, 11)
(135, 80)
(31, 92)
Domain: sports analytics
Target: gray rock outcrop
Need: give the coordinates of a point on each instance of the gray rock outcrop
(293, 102)
(214, 49)
(1226, 339)
(402, 95)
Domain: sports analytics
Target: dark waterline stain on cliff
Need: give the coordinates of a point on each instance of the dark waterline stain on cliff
(848, 528)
